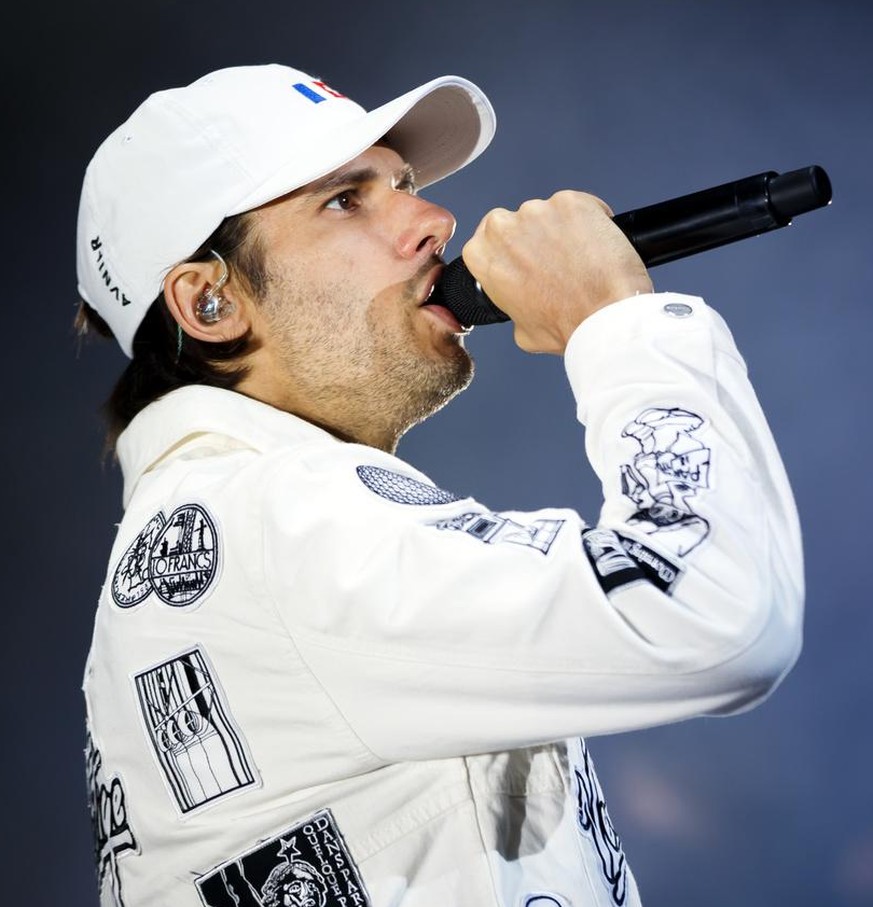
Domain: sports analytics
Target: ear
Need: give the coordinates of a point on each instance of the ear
(187, 283)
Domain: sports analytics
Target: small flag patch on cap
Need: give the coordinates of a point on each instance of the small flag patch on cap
(307, 92)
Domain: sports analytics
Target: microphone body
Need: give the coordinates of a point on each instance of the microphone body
(673, 229)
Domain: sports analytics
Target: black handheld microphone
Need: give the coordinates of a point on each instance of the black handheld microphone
(672, 229)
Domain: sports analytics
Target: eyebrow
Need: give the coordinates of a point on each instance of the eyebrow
(356, 177)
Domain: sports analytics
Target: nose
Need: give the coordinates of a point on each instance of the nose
(423, 227)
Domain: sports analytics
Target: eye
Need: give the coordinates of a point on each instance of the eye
(347, 200)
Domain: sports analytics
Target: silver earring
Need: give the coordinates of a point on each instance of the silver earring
(211, 305)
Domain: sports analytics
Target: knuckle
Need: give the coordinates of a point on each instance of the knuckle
(572, 198)
(583, 201)
(500, 224)
(495, 219)
(532, 206)
(498, 214)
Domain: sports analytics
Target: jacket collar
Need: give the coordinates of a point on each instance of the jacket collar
(236, 421)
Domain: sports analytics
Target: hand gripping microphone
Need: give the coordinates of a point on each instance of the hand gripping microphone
(672, 229)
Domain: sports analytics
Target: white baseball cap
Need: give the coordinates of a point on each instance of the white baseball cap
(235, 139)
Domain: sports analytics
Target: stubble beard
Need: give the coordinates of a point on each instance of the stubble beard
(413, 386)
(376, 378)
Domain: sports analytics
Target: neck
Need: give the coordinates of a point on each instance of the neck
(347, 416)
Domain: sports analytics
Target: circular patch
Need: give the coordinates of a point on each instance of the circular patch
(402, 489)
(131, 582)
(183, 560)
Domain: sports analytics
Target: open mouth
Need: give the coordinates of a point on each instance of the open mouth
(432, 302)
(433, 277)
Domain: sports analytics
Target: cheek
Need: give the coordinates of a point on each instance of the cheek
(341, 304)
(363, 254)
(389, 314)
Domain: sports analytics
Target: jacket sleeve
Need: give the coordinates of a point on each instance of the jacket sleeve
(441, 628)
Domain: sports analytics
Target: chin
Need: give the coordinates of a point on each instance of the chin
(456, 376)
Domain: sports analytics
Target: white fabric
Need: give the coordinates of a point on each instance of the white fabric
(420, 681)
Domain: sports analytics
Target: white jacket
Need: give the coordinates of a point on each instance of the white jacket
(317, 679)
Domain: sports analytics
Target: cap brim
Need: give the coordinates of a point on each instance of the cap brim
(437, 128)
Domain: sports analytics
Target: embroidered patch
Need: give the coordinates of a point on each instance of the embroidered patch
(394, 486)
(176, 558)
(621, 561)
(541, 899)
(613, 567)
(199, 749)
(184, 557)
(308, 865)
(671, 468)
(492, 527)
(659, 571)
(113, 836)
(594, 822)
(131, 582)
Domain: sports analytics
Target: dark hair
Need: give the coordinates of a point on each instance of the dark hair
(164, 360)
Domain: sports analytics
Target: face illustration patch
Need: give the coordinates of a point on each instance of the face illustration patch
(307, 865)
(176, 558)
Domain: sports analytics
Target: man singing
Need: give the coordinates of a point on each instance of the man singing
(316, 677)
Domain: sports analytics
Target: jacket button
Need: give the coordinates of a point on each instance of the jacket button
(678, 309)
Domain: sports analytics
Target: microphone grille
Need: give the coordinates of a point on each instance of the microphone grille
(461, 294)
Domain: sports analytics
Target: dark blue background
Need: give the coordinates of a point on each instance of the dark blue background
(634, 101)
